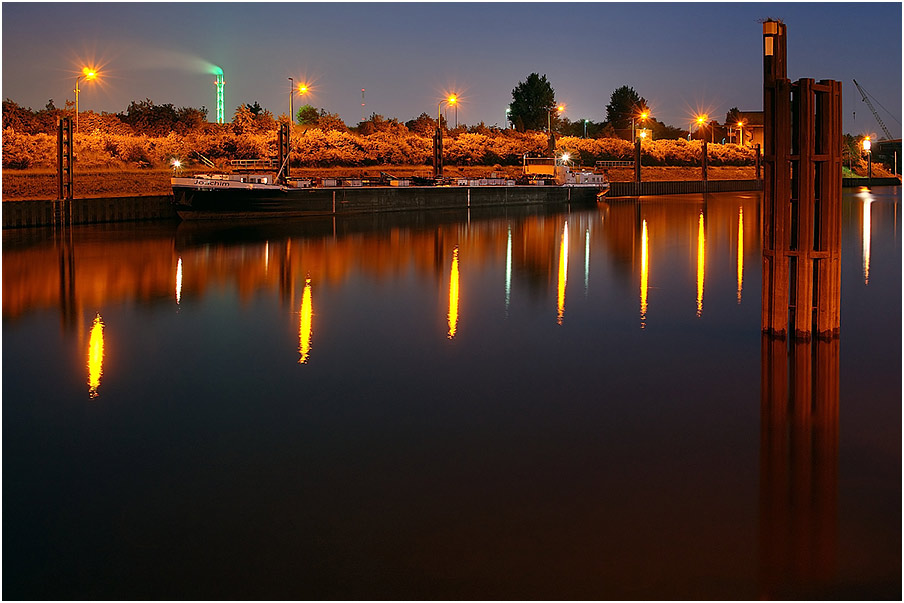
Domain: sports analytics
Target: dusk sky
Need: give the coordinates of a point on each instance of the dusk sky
(683, 58)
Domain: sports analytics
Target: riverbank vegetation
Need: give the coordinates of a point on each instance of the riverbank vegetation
(149, 136)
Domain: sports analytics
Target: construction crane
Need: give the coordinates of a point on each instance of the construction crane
(871, 108)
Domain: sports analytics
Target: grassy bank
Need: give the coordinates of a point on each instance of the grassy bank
(42, 184)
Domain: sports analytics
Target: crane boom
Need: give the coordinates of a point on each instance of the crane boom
(871, 108)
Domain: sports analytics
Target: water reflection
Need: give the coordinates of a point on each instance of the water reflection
(453, 295)
(563, 274)
(508, 270)
(644, 274)
(305, 314)
(740, 251)
(95, 356)
(710, 502)
(867, 225)
(179, 282)
(701, 263)
(798, 468)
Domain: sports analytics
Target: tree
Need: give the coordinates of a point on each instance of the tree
(624, 105)
(532, 101)
(423, 124)
(330, 121)
(307, 115)
(733, 116)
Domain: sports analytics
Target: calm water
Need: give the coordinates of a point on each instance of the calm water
(554, 405)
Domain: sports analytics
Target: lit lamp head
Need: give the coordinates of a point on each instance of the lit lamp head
(560, 108)
(452, 99)
(89, 74)
(701, 119)
(867, 145)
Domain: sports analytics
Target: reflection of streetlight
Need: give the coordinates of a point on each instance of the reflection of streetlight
(88, 74)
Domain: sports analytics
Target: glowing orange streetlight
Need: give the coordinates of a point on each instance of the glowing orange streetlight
(701, 120)
(450, 101)
(643, 118)
(741, 130)
(89, 74)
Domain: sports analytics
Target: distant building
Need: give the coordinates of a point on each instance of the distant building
(752, 129)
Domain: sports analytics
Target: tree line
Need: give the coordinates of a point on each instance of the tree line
(532, 109)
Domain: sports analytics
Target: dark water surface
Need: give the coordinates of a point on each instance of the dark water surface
(531, 405)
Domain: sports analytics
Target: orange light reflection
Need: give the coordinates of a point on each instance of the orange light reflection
(95, 356)
(644, 273)
(701, 264)
(563, 273)
(453, 295)
(304, 324)
(740, 251)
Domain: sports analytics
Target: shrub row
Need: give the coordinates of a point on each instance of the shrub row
(317, 148)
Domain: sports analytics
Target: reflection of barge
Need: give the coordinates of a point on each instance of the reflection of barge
(544, 181)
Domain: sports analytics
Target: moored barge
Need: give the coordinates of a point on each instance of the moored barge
(243, 196)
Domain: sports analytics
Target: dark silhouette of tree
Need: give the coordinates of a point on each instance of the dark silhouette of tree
(159, 120)
(624, 104)
(532, 100)
(733, 116)
(423, 124)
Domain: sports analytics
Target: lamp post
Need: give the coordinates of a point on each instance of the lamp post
(701, 120)
(643, 118)
(552, 139)
(549, 113)
(741, 132)
(449, 102)
(867, 147)
(438, 137)
(88, 74)
(508, 114)
(585, 128)
(291, 100)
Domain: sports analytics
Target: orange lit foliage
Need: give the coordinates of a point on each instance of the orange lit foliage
(315, 147)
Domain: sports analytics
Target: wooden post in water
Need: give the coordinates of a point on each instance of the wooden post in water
(438, 152)
(759, 173)
(283, 148)
(63, 205)
(801, 209)
(705, 162)
(637, 160)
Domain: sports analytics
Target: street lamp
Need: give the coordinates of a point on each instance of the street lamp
(291, 100)
(643, 118)
(449, 102)
(508, 116)
(741, 132)
(701, 120)
(585, 128)
(88, 74)
(867, 147)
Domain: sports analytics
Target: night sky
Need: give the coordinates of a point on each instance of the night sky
(683, 58)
